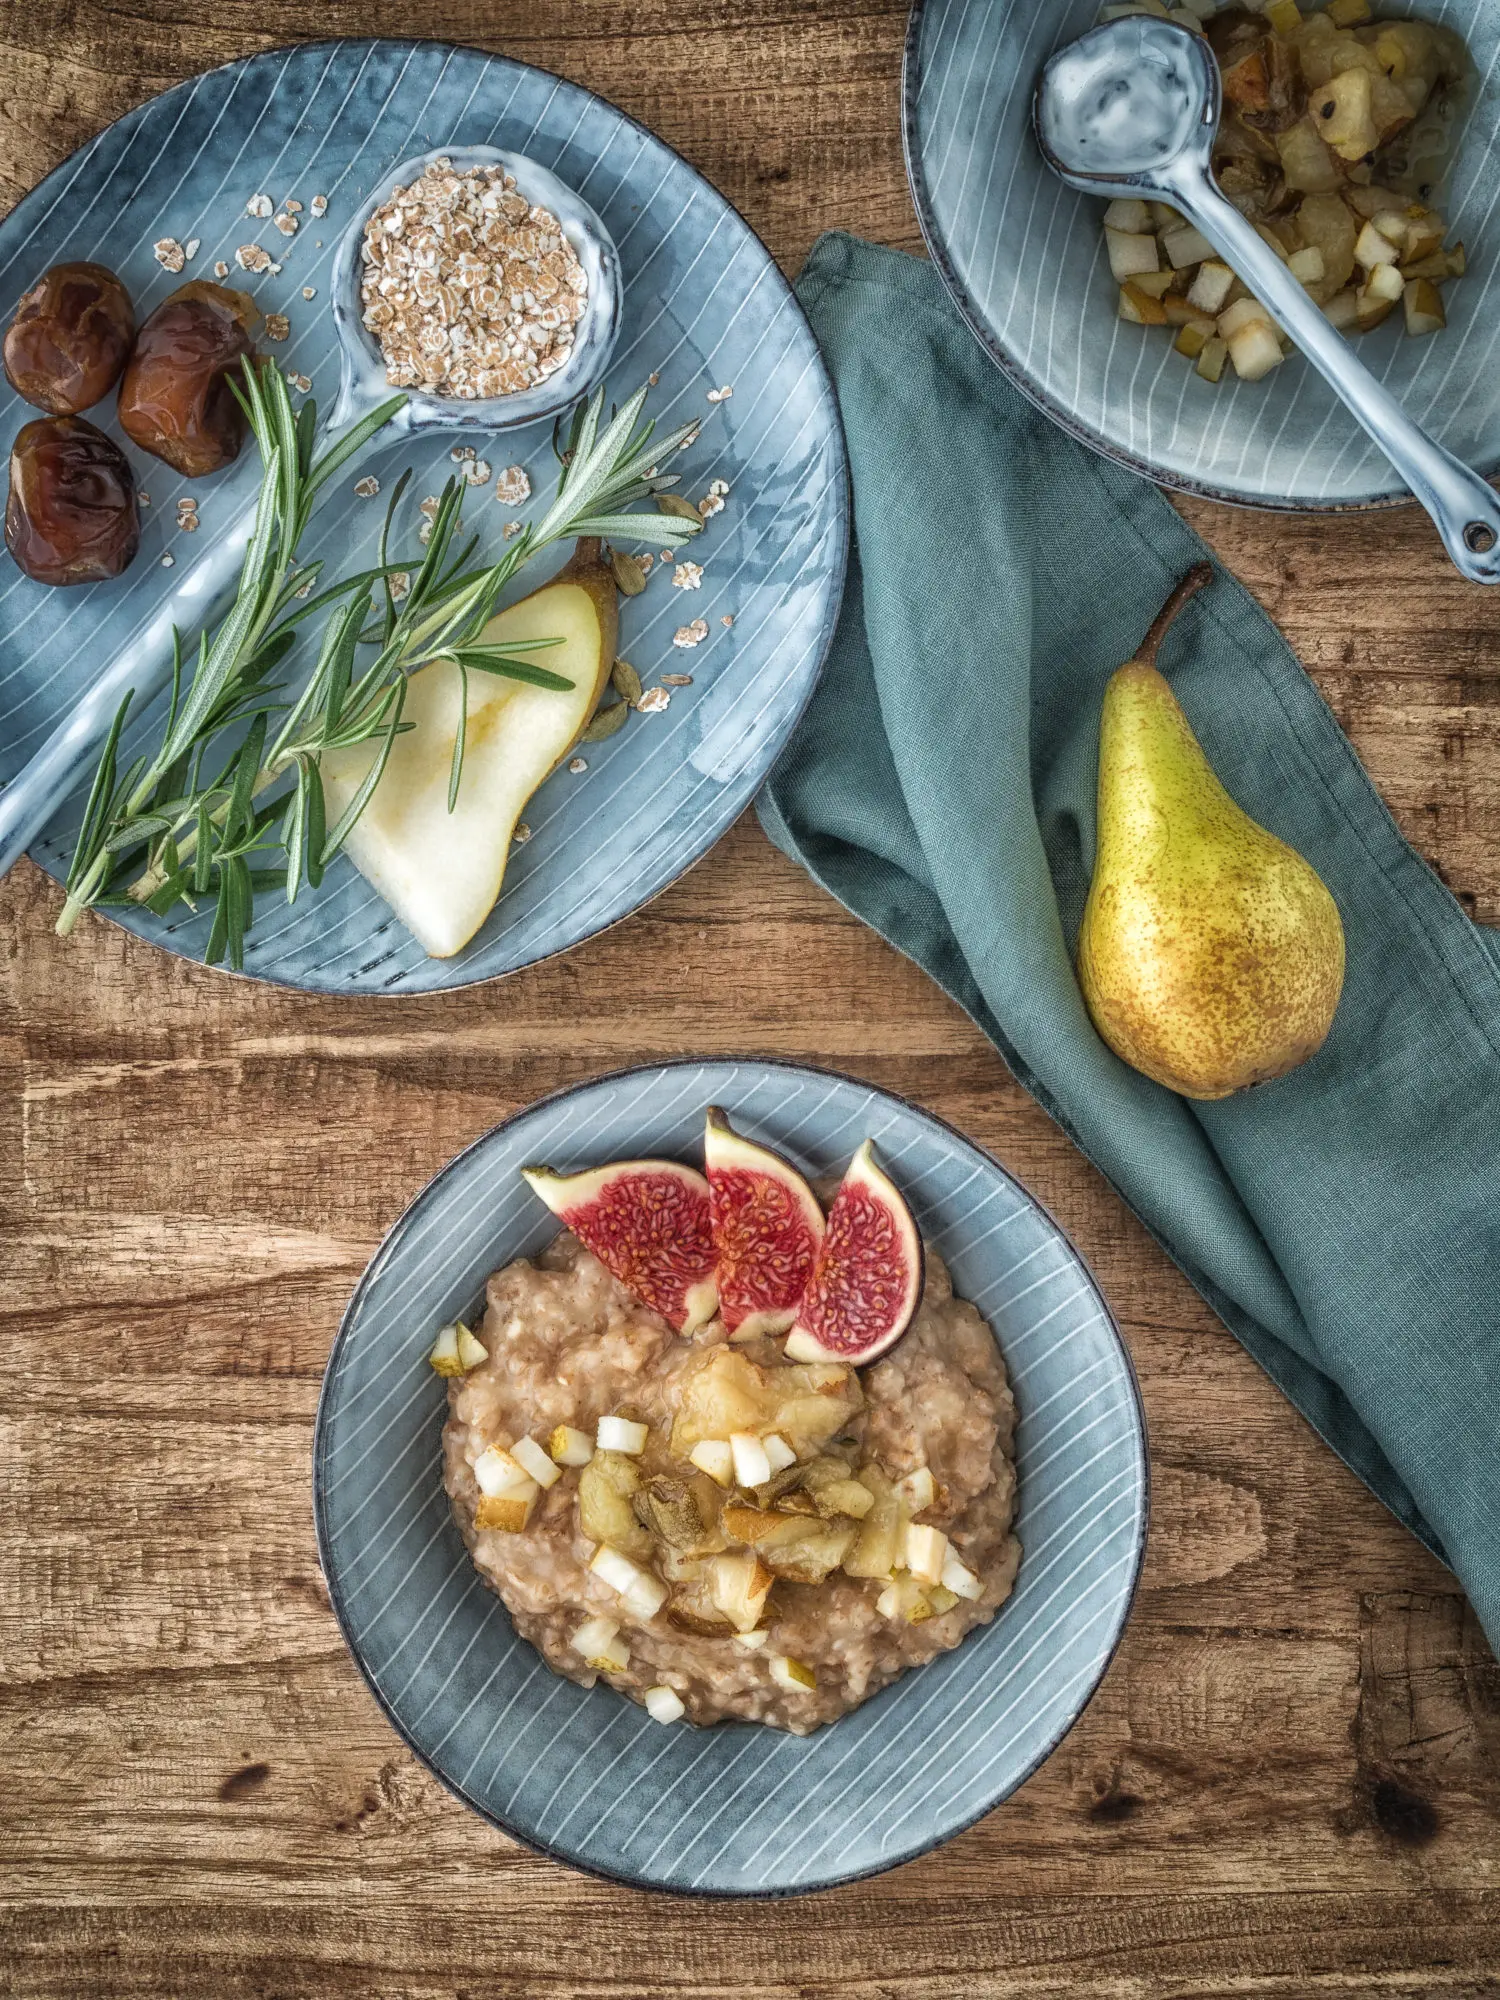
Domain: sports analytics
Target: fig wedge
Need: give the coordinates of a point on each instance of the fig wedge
(647, 1223)
(867, 1283)
(767, 1230)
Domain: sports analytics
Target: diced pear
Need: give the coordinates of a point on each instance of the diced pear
(918, 1489)
(793, 1675)
(1285, 16)
(1210, 288)
(1385, 283)
(1210, 363)
(1458, 261)
(1342, 310)
(607, 1487)
(1155, 284)
(715, 1456)
(1424, 308)
(904, 1597)
(779, 1454)
(496, 1471)
(1348, 13)
(877, 1550)
(1255, 351)
(441, 872)
(738, 1585)
(925, 1552)
(1186, 245)
(941, 1598)
(959, 1578)
(568, 1446)
(751, 1642)
(1373, 248)
(1306, 266)
(1129, 253)
(444, 1356)
(621, 1434)
(529, 1455)
(1138, 308)
(598, 1642)
(752, 1466)
(664, 1704)
(1244, 313)
(508, 1512)
(1191, 340)
(643, 1593)
(1344, 113)
(1134, 217)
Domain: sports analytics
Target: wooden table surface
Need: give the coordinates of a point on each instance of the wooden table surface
(1289, 1783)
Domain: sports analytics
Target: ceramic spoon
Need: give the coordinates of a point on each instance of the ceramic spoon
(1132, 109)
(143, 665)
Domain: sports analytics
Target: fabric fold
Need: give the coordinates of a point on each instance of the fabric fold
(1341, 1221)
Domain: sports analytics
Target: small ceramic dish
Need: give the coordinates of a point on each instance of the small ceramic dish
(737, 1809)
(362, 365)
(1024, 258)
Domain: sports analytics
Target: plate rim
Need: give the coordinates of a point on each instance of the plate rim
(327, 1567)
(839, 483)
(1016, 375)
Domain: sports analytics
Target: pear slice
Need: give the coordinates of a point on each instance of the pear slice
(441, 872)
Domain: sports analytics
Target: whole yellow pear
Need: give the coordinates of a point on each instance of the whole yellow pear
(1211, 955)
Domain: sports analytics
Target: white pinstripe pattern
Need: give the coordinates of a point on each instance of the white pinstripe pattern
(724, 316)
(584, 1774)
(1025, 265)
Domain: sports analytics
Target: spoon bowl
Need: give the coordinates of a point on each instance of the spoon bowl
(1132, 108)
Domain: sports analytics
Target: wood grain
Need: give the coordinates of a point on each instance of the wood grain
(1289, 1784)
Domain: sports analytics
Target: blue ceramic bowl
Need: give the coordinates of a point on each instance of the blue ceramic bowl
(737, 1809)
(1024, 258)
(703, 307)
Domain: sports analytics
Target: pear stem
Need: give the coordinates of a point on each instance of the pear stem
(1191, 584)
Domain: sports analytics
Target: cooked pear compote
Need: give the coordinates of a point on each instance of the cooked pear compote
(710, 1528)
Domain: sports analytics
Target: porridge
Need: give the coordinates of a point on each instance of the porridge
(712, 1527)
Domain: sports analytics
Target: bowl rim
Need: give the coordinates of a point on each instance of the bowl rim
(339, 1607)
(1032, 390)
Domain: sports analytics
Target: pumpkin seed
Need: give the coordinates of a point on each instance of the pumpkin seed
(606, 721)
(682, 510)
(626, 681)
(628, 573)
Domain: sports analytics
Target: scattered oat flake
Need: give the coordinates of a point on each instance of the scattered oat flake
(424, 533)
(145, 499)
(169, 253)
(221, 269)
(577, 765)
(287, 224)
(278, 326)
(677, 680)
(168, 561)
(461, 452)
(665, 556)
(654, 700)
(718, 488)
(305, 588)
(367, 487)
(190, 248)
(653, 380)
(258, 205)
(709, 505)
(309, 291)
(513, 486)
(302, 382)
(320, 204)
(522, 833)
(727, 619)
(292, 207)
(477, 471)
(274, 269)
(429, 506)
(720, 395)
(647, 563)
(511, 528)
(250, 257)
(687, 576)
(400, 583)
(688, 635)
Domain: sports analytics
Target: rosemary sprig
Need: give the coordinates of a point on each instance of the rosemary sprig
(192, 817)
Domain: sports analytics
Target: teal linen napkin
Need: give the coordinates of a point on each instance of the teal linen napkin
(1343, 1220)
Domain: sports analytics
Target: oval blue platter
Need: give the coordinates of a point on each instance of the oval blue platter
(1024, 258)
(705, 308)
(737, 1809)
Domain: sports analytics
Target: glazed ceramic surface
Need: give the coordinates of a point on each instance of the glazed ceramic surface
(1024, 257)
(736, 1809)
(704, 307)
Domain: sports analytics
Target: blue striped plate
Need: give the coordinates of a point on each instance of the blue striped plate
(1024, 258)
(738, 1809)
(705, 307)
